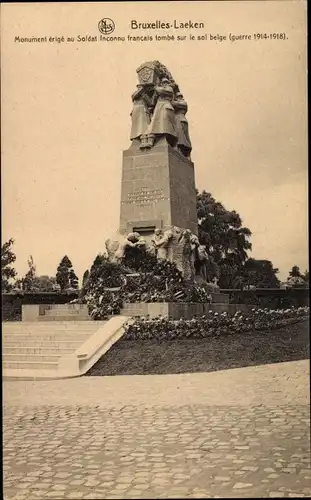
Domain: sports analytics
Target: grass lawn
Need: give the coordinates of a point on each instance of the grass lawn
(142, 357)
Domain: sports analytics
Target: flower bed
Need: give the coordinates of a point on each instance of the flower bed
(193, 355)
(214, 324)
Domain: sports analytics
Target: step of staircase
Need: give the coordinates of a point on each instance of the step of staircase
(69, 312)
(68, 306)
(62, 317)
(43, 332)
(43, 349)
(49, 344)
(29, 365)
(19, 337)
(38, 358)
(15, 326)
(69, 333)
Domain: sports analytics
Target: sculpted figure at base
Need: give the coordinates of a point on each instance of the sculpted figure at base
(201, 263)
(195, 243)
(183, 248)
(161, 242)
(206, 270)
(215, 283)
(112, 244)
(175, 245)
(186, 246)
(173, 248)
(116, 248)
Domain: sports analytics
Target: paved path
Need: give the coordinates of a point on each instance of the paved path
(237, 433)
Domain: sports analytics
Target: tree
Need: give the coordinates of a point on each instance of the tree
(85, 278)
(29, 281)
(226, 239)
(8, 273)
(45, 283)
(260, 273)
(295, 272)
(33, 283)
(73, 279)
(296, 279)
(65, 276)
(104, 273)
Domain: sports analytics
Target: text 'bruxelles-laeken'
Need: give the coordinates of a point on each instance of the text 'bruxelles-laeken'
(164, 25)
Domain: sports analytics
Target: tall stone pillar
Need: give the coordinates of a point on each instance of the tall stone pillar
(158, 190)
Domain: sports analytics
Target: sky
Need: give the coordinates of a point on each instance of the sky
(66, 120)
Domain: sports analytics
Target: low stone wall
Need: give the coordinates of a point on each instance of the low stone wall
(31, 312)
(55, 312)
(271, 298)
(12, 302)
(177, 310)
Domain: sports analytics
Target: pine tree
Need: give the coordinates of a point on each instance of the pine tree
(295, 272)
(65, 276)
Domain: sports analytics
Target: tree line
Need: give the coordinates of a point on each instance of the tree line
(227, 242)
(65, 279)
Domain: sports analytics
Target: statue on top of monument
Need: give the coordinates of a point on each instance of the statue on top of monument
(159, 110)
(182, 128)
(163, 121)
(142, 110)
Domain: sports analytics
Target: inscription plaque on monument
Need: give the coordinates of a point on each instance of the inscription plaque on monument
(144, 196)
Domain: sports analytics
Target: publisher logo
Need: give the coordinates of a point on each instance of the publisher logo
(106, 26)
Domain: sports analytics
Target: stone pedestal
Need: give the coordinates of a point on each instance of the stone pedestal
(158, 190)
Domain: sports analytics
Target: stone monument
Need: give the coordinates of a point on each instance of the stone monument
(158, 194)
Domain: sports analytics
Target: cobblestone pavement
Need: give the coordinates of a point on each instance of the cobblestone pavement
(153, 445)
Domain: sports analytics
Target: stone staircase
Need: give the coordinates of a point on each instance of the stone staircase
(56, 348)
(38, 346)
